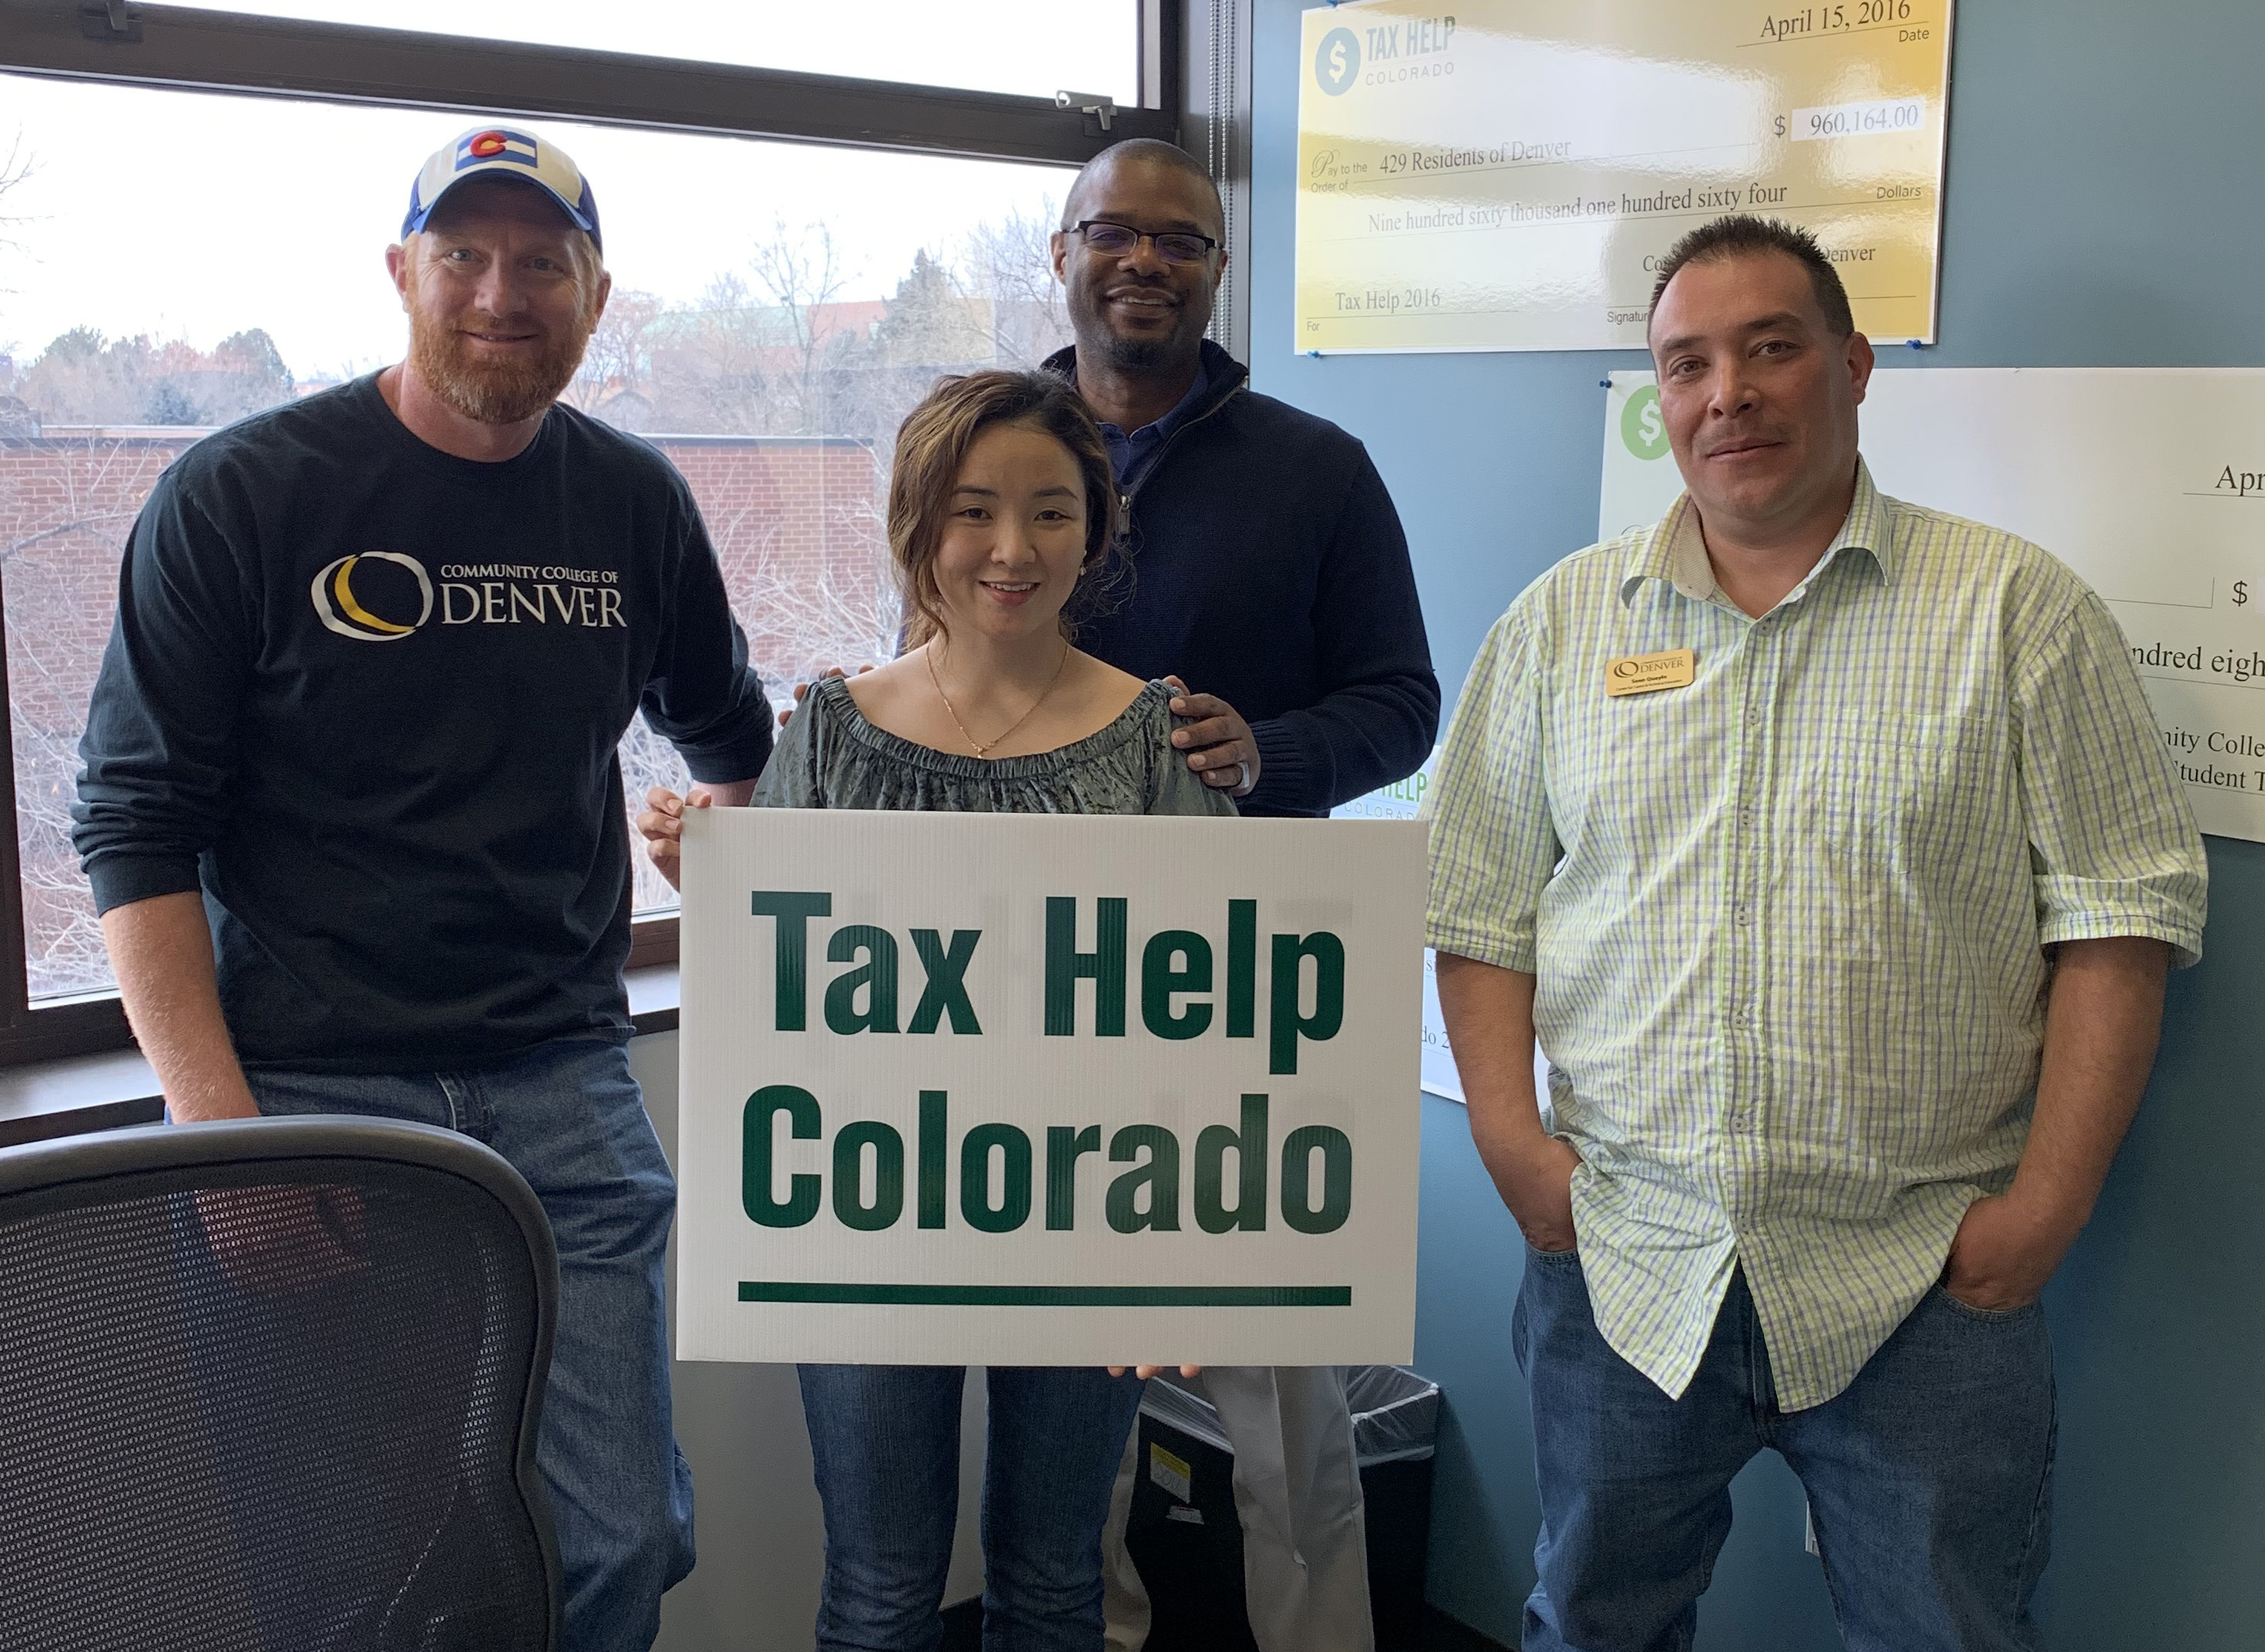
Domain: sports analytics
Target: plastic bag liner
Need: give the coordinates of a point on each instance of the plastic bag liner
(1395, 1413)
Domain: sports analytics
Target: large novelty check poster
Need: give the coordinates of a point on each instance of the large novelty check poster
(1049, 1091)
(1506, 175)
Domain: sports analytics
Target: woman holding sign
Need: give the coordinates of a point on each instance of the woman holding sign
(1001, 512)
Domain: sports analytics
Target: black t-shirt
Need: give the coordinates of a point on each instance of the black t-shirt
(367, 695)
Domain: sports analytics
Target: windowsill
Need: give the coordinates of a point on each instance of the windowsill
(68, 1098)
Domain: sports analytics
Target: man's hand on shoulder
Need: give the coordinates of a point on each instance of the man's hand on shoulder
(802, 690)
(1219, 746)
(2003, 1254)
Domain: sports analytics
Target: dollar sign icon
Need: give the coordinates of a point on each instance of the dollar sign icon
(1337, 62)
(2240, 593)
(1642, 426)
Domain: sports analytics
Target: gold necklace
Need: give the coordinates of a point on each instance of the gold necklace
(982, 748)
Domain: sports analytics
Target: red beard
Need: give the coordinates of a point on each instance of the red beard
(492, 392)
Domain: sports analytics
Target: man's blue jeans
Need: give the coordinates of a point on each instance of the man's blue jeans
(885, 1442)
(1929, 1478)
(571, 1119)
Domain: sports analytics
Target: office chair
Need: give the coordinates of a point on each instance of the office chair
(273, 1386)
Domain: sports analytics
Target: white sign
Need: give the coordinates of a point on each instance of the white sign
(1048, 1090)
(2149, 481)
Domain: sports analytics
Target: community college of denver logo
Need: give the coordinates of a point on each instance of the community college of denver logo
(338, 606)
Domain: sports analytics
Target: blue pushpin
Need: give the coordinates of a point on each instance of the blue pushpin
(1913, 344)
(1316, 354)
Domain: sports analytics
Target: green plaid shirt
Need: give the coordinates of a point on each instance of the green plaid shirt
(1787, 922)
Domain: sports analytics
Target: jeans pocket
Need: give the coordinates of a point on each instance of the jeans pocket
(1555, 1258)
(1987, 1316)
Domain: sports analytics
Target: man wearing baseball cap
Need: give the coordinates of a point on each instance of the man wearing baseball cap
(354, 820)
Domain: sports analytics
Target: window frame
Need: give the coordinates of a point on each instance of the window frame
(191, 49)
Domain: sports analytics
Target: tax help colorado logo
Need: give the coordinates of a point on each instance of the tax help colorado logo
(1385, 50)
(1022, 1087)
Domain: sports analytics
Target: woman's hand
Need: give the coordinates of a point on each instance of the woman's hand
(662, 827)
(1146, 1372)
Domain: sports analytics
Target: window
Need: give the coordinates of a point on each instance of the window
(776, 308)
(1034, 48)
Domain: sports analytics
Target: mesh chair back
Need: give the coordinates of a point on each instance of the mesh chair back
(273, 1386)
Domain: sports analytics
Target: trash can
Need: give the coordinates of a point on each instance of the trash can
(1187, 1540)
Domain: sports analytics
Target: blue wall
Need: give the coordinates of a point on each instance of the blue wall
(2102, 208)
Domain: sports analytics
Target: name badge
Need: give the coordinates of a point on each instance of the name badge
(1645, 673)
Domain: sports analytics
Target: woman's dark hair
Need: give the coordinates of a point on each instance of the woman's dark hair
(932, 444)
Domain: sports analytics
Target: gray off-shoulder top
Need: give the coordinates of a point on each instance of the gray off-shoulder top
(830, 757)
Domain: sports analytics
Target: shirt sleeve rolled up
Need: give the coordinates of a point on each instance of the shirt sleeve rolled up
(2111, 838)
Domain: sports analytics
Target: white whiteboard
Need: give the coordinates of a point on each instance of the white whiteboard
(2149, 481)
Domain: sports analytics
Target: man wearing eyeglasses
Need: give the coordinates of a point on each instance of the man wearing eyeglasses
(1269, 572)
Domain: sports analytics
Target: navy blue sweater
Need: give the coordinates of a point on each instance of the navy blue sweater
(1268, 567)
(366, 696)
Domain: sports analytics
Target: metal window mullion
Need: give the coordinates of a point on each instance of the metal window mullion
(184, 48)
(15, 987)
(27, 1034)
(1216, 106)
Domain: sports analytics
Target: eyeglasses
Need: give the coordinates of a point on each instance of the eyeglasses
(1115, 240)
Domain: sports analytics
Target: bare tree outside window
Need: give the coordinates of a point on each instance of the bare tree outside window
(66, 498)
(15, 415)
(1009, 261)
(14, 168)
(799, 277)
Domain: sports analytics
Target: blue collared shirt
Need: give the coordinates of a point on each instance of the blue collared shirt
(1130, 456)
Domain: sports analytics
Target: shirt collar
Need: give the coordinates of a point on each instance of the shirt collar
(1674, 549)
(1164, 425)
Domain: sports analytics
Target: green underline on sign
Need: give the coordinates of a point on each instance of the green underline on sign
(1053, 1296)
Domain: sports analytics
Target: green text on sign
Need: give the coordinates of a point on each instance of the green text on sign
(997, 1177)
(1178, 976)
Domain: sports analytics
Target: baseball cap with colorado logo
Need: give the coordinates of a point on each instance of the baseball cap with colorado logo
(504, 152)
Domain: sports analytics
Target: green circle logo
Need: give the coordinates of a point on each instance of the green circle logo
(1642, 426)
